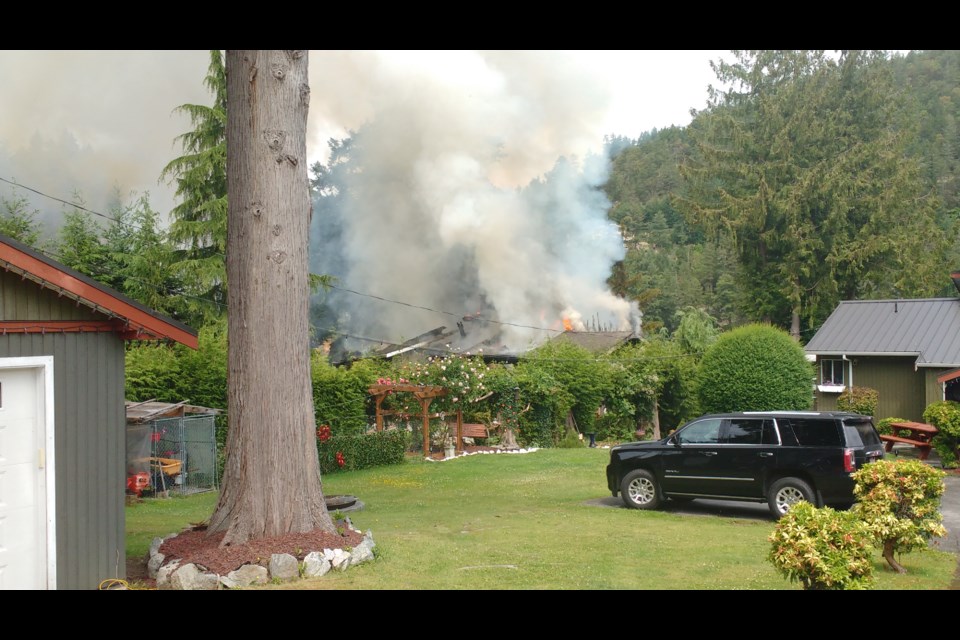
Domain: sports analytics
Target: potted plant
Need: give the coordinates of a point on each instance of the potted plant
(442, 436)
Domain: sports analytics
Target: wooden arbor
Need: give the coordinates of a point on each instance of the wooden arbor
(424, 394)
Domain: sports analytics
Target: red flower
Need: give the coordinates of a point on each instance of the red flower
(324, 433)
(340, 460)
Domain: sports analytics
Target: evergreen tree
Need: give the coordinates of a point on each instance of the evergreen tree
(801, 162)
(17, 221)
(199, 223)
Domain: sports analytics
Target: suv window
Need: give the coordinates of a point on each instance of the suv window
(815, 432)
(860, 433)
(751, 431)
(701, 432)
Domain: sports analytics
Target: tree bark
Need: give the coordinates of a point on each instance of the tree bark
(888, 556)
(656, 418)
(271, 481)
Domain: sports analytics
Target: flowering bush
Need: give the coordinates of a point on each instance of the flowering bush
(821, 548)
(462, 376)
(900, 504)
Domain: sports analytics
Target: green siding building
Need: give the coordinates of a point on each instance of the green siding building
(62, 420)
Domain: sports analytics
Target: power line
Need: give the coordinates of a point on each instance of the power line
(71, 204)
(440, 311)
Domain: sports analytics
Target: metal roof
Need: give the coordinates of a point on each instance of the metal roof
(928, 329)
(139, 322)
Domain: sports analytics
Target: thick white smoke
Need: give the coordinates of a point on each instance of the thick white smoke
(94, 123)
(474, 189)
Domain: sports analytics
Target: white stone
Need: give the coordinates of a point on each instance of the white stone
(363, 552)
(284, 566)
(245, 576)
(190, 578)
(315, 565)
(154, 564)
(155, 547)
(164, 573)
(340, 560)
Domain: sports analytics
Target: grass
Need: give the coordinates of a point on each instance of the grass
(521, 522)
(162, 516)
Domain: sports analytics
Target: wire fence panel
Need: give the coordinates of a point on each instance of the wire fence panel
(185, 455)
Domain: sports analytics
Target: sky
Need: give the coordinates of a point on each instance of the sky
(96, 122)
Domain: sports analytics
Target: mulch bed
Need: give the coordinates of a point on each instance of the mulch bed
(195, 546)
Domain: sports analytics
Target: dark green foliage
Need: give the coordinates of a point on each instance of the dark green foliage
(340, 394)
(362, 451)
(756, 367)
(884, 428)
(945, 416)
(801, 163)
(862, 400)
(571, 440)
(585, 378)
(199, 222)
(177, 373)
(18, 221)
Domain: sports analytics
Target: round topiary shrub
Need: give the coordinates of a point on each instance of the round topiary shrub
(821, 548)
(756, 367)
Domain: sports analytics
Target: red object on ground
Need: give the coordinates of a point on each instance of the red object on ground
(137, 482)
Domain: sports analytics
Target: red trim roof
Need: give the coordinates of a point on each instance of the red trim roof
(139, 322)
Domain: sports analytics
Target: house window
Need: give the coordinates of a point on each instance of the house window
(831, 372)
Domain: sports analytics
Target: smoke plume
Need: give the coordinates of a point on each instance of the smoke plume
(468, 187)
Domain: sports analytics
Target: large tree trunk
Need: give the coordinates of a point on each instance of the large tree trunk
(271, 483)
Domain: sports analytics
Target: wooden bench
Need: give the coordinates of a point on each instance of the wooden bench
(474, 430)
(924, 447)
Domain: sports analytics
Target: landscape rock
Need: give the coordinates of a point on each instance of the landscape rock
(284, 566)
(154, 564)
(164, 573)
(189, 577)
(248, 574)
(363, 552)
(315, 565)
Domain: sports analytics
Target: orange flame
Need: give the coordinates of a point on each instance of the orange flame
(567, 325)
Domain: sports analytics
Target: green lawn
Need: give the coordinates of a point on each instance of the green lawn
(520, 522)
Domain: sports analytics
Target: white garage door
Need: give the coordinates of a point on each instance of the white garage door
(23, 479)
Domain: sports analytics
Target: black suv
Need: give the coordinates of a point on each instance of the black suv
(778, 457)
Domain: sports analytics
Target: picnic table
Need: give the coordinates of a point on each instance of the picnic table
(917, 434)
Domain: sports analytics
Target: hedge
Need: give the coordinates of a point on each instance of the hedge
(362, 452)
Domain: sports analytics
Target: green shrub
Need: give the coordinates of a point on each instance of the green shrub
(340, 396)
(821, 548)
(363, 451)
(571, 441)
(884, 428)
(862, 400)
(899, 502)
(945, 416)
(756, 367)
(618, 428)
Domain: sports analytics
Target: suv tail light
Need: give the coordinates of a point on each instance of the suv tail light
(849, 462)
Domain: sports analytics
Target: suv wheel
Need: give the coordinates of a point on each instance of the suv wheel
(786, 492)
(638, 489)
